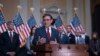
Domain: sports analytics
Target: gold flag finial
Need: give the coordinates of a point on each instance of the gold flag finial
(59, 10)
(1, 5)
(75, 10)
(19, 7)
(44, 10)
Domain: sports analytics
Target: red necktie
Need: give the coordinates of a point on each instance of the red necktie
(48, 34)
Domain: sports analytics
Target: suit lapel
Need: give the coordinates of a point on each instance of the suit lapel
(13, 35)
(44, 33)
(52, 34)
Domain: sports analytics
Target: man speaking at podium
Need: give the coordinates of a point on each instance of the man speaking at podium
(46, 34)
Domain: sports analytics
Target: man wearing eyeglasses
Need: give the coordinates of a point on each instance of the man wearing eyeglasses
(46, 34)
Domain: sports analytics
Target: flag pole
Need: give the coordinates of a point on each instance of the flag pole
(23, 40)
(19, 8)
(75, 11)
(64, 28)
(31, 9)
(58, 10)
(44, 10)
(1, 5)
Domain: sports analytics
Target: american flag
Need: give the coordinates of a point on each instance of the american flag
(3, 26)
(20, 28)
(76, 25)
(59, 23)
(31, 22)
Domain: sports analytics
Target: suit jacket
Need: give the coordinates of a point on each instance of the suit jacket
(71, 39)
(87, 39)
(94, 45)
(64, 39)
(98, 46)
(42, 33)
(5, 42)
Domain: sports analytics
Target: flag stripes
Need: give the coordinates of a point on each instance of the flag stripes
(76, 25)
(3, 26)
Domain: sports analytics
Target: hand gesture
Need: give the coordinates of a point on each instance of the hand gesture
(42, 40)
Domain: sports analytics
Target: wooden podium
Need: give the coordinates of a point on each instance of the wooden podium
(61, 50)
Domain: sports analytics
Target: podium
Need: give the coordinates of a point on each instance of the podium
(61, 50)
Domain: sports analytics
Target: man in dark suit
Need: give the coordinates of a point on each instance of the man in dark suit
(70, 35)
(46, 34)
(85, 36)
(63, 36)
(9, 41)
(78, 38)
(81, 38)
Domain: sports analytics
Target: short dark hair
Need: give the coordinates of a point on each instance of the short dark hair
(50, 17)
(9, 22)
(47, 15)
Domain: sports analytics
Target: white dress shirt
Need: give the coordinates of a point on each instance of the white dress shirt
(79, 40)
(10, 32)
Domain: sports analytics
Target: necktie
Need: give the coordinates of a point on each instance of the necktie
(48, 34)
(11, 37)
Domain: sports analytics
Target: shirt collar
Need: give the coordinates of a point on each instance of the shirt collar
(49, 28)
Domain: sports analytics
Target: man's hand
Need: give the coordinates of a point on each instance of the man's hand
(42, 40)
(53, 42)
(11, 53)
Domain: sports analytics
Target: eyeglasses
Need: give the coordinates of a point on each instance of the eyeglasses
(46, 19)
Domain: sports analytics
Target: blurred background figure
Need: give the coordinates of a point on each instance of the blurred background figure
(63, 36)
(85, 36)
(70, 35)
(29, 42)
(9, 41)
(78, 38)
(94, 46)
